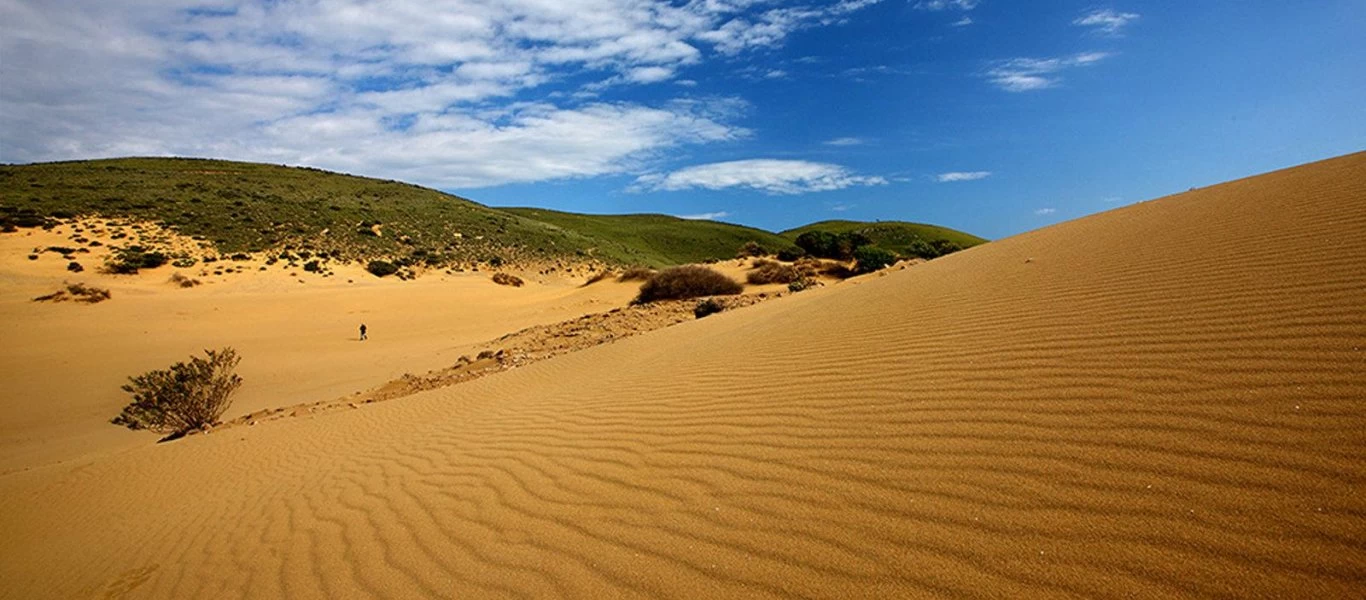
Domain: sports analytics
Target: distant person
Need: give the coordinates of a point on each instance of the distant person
(362, 332)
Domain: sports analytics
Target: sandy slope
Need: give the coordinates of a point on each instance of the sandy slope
(1163, 400)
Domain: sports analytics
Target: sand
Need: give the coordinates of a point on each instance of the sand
(1164, 400)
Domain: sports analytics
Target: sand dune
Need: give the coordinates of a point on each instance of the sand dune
(1162, 400)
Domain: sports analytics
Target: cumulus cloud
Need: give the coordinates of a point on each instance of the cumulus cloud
(1107, 21)
(772, 176)
(954, 176)
(963, 22)
(1045, 211)
(1028, 74)
(423, 90)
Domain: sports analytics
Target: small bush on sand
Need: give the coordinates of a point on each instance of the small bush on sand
(74, 267)
(506, 279)
(183, 281)
(76, 292)
(710, 306)
(690, 281)
(637, 274)
(184, 397)
(872, 258)
(381, 268)
(772, 272)
(804, 283)
(127, 261)
(312, 266)
(751, 248)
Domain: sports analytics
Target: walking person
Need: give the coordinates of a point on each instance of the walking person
(362, 332)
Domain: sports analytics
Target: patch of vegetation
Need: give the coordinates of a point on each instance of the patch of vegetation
(381, 268)
(74, 267)
(871, 258)
(903, 238)
(185, 397)
(710, 306)
(131, 259)
(599, 276)
(507, 279)
(689, 281)
(767, 271)
(750, 249)
(76, 292)
(183, 281)
(654, 240)
(791, 253)
(804, 283)
(637, 274)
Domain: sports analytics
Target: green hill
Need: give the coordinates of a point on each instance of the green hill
(897, 236)
(656, 240)
(250, 207)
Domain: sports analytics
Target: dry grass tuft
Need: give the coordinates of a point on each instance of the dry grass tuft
(183, 281)
(604, 275)
(637, 274)
(76, 292)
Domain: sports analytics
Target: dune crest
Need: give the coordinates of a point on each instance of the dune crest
(1164, 400)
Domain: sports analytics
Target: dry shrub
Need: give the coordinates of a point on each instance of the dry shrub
(76, 292)
(773, 272)
(710, 306)
(838, 271)
(689, 281)
(183, 281)
(599, 277)
(637, 274)
(184, 397)
(507, 279)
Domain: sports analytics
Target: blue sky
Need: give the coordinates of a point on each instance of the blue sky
(994, 117)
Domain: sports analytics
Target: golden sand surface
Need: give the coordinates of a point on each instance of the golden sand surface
(1164, 400)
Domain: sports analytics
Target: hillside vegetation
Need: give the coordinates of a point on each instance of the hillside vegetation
(250, 207)
(657, 240)
(898, 236)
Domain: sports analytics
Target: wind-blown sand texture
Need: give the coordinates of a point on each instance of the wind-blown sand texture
(1167, 399)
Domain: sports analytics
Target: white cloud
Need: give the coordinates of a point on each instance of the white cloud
(1045, 211)
(710, 216)
(423, 90)
(842, 207)
(1027, 74)
(1107, 21)
(937, 5)
(954, 176)
(775, 74)
(773, 176)
(844, 141)
(963, 22)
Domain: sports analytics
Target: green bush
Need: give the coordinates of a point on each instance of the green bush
(690, 281)
(184, 397)
(312, 266)
(381, 268)
(822, 244)
(801, 284)
(791, 253)
(872, 258)
(127, 261)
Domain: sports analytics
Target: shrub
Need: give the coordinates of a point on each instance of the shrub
(751, 248)
(822, 244)
(600, 276)
(183, 281)
(637, 274)
(74, 267)
(127, 261)
(801, 284)
(791, 253)
(690, 281)
(506, 279)
(710, 306)
(380, 268)
(872, 258)
(184, 397)
(184, 262)
(77, 292)
(772, 272)
(312, 266)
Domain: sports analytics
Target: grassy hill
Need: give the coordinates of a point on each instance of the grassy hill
(250, 207)
(656, 240)
(897, 236)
